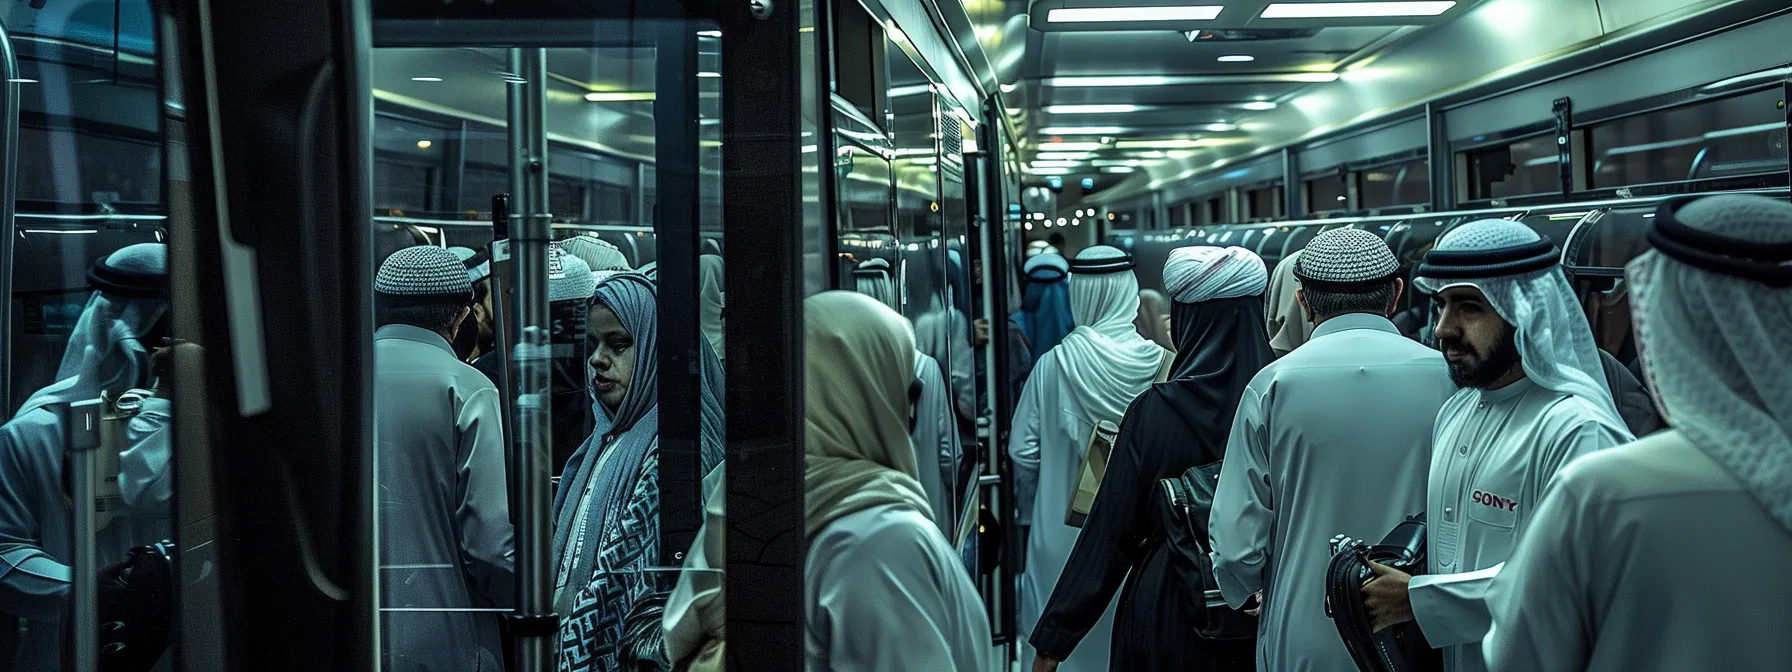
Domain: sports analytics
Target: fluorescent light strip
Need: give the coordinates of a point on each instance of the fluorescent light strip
(619, 96)
(1237, 58)
(905, 91)
(1069, 146)
(1082, 130)
(1162, 144)
(1130, 14)
(1348, 10)
(1259, 105)
(1160, 80)
(1063, 156)
(1118, 169)
(1056, 164)
(1048, 171)
(1091, 109)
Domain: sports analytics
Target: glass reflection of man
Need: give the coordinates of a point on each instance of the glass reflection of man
(108, 352)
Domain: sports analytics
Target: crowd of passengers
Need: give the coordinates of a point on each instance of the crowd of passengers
(1579, 515)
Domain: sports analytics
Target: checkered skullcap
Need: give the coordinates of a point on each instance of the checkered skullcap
(423, 271)
(1346, 256)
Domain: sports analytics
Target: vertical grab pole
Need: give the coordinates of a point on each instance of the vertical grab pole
(9, 164)
(533, 623)
(83, 431)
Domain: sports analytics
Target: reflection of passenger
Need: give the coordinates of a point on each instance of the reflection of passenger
(1287, 321)
(107, 352)
(1671, 553)
(935, 434)
(1091, 377)
(1333, 438)
(597, 253)
(1173, 426)
(445, 539)
(1153, 321)
(1532, 399)
(1044, 314)
(884, 591)
(606, 511)
(710, 302)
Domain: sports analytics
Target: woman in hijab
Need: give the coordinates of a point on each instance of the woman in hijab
(1044, 314)
(606, 510)
(1091, 377)
(1172, 427)
(1153, 321)
(1287, 321)
(883, 588)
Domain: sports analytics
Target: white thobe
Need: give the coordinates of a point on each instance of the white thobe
(1047, 444)
(936, 444)
(1334, 438)
(886, 593)
(1492, 461)
(445, 549)
(1648, 557)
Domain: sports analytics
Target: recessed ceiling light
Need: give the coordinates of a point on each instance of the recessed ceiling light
(1081, 130)
(1259, 105)
(709, 33)
(1220, 128)
(426, 79)
(1091, 109)
(1183, 80)
(424, 144)
(1237, 58)
(618, 96)
(709, 74)
(1344, 10)
(1128, 14)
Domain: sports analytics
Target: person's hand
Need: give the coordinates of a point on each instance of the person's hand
(1044, 663)
(1386, 598)
(979, 332)
(1254, 606)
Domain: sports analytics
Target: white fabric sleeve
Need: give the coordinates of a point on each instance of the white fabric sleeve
(32, 584)
(483, 512)
(1584, 438)
(1452, 608)
(1023, 443)
(1540, 603)
(1242, 523)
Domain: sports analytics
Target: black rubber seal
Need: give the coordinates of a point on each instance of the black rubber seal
(1498, 262)
(1120, 264)
(544, 625)
(1767, 263)
(132, 284)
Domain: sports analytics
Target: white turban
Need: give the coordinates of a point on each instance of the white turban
(1204, 273)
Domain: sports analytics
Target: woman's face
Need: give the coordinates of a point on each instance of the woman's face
(612, 356)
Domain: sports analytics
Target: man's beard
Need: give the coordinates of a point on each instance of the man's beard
(1492, 366)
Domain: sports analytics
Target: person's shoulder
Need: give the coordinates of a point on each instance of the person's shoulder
(1567, 414)
(878, 535)
(1661, 464)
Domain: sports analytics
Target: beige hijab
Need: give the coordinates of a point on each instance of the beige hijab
(858, 367)
(1287, 321)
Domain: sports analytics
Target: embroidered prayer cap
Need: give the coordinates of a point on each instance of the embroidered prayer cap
(569, 279)
(1346, 259)
(423, 271)
(597, 253)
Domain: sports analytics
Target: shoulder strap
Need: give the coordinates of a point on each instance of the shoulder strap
(1163, 367)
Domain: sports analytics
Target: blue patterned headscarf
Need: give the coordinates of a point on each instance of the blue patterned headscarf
(611, 460)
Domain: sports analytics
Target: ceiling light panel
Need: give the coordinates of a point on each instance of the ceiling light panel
(1237, 58)
(1354, 10)
(1159, 80)
(1092, 109)
(1069, 146)
(1259, 105)
(1082, 130)
(1063, 156)
(1133, 14)
(1163, 144)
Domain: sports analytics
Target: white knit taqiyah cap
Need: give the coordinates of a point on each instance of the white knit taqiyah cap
(1347, 257)
(423, 271)
(597, 253)
(1204, 272)
(569, 279)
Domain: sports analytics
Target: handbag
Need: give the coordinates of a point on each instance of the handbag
(1184, 503)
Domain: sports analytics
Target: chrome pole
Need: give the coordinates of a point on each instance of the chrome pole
(533, 623)
(81, 431)
(9, 164)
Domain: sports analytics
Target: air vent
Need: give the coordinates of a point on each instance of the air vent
(1244, 35)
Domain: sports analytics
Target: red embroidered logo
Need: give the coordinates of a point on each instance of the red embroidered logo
(1495, 501)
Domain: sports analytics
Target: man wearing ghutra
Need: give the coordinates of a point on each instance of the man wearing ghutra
(1172, 427)
(446, 550)
(1090, 377)
(1533, 398)
(1670, 553)
(1333, 438)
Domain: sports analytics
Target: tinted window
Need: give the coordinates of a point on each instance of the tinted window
(1521, 168)
(1326, 194)
(1741, 135)
(1406, 183)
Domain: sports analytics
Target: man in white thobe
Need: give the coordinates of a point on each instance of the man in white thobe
(445, 548)
(1090, 377)
(1333, 438)
(1533, 398)
(1671, 553)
